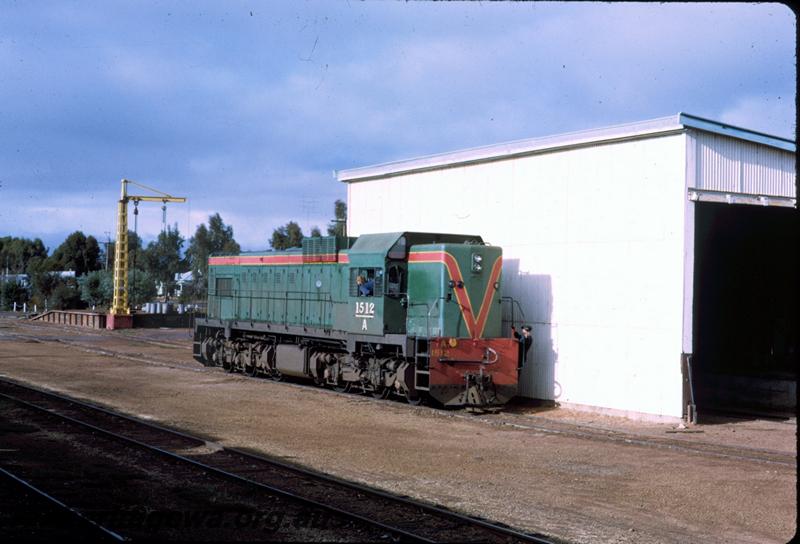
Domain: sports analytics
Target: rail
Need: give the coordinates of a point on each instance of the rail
(89, 523)
(226, 474)
(403, 517)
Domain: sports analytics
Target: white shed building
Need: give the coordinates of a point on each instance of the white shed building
(656, 261)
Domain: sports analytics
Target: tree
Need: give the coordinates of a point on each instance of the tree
(43, 281)
(141, 287)
(65, 295)
(97, 288)
(289, 235)
(78, 252)
(135, 252)
(16, 253)
(216, 238)
(315, 232)
(162, 258)
(338, 224)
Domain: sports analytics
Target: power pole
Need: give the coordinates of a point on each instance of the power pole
(107, 243)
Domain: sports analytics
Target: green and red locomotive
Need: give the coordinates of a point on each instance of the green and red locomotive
(413, 314)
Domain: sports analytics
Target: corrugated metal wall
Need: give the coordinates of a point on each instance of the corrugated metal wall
(735, 166)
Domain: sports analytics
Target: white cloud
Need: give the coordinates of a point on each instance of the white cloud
(770, 114)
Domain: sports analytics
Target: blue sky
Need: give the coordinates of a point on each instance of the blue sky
(246, 108)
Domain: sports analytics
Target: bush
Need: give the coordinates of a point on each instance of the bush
(11, 292)
(65, 296)
(97, 288)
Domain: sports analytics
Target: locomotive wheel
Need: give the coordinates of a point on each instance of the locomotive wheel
(380, 393)
(342, 387)
(276, 375)
(249, 366)
(413, 400)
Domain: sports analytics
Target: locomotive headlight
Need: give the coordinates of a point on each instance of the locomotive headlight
(477, 259)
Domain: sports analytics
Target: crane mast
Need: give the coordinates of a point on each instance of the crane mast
(119, 317)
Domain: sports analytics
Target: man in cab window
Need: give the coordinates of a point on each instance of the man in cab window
(365, 286)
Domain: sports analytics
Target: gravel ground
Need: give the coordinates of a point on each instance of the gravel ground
(568, 486)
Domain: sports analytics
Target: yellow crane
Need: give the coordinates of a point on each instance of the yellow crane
(119, 317)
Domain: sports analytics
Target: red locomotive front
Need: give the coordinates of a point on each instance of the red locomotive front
(473, 372)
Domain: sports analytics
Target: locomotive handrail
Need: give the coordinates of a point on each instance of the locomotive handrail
(428, 315)
(428, 318)
(486, 361)
(304, 297)
(513, 302)
(427, 324)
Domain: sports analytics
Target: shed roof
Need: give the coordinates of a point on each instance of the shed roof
(662, 126)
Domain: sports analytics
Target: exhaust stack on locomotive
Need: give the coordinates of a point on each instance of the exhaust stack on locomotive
(416, 315)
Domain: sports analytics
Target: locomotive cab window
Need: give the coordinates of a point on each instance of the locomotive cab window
(395, 280)
(366, 282)
(399, 249)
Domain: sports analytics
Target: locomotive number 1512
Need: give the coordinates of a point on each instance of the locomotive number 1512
(365, 309)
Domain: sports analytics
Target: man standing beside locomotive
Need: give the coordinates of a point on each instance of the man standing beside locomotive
(525, 341)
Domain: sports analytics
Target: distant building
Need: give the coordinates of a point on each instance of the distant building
(182, 279)
(22, 279)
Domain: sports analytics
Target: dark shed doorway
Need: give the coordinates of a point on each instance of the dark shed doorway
(745, 309)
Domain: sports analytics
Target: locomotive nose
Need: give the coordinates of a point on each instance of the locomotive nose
(473, 372)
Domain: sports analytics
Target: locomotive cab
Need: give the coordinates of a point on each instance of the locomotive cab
(381, 303)
(376, 282)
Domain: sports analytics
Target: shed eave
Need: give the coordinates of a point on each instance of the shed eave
(660, 126)
(724, 129)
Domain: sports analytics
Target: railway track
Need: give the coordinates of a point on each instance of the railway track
(45, 517)
(737, 453)
(402, 519)
(508, 419)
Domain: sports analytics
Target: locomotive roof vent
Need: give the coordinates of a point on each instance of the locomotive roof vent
(320, 249)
